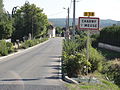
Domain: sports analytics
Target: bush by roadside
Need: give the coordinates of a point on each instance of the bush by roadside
(30, 43)
(75, 61)
(5, 48)
(110, 35)
(112, 71)
(112, 64)
(96, 59)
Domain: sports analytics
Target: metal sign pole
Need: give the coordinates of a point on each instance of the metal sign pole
(88, 40)
(88, 23)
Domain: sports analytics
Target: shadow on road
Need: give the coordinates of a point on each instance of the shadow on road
(57, 67)
(20, 79)
(53, 77)
(33, 79)
(55, 56)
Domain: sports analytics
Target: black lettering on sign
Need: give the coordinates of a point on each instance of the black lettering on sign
(95, 25)
(90, 25)
(85, 25)
(92, 14)
(82, 21)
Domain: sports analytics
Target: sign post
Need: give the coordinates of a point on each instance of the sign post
(88, 23)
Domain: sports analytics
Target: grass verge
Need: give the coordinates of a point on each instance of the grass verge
(110, 55)
(88, 86)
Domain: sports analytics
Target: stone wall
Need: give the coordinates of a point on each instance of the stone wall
(110, 47)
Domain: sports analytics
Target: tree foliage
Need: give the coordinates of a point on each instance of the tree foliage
(6, 27)
(1, 6)
(30, 19)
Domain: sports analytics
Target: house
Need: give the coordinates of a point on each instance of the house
(51, 31)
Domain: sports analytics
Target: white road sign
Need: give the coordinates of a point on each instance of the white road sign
(88, 23)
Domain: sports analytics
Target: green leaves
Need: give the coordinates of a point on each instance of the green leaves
(30, 43)
(70, 47)
(112, 71)
(30, 19)
(110, 35)
(5, 48)
(75, 59)
(6, 27)
(1, 6)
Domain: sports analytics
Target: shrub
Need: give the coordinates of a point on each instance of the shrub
(3, 48)
(10, 47)
(75, 64)
(95, 58)
(30, 43)
(95, 40)
(70, 47)
(110, 35)
(112, 70)
(81, 40)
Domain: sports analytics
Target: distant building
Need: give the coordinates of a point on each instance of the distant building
(51, 31)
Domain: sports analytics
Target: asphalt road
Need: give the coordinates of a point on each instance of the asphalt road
(34, 69)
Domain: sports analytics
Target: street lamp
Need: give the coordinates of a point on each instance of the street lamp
(14, 10)
(67, 24)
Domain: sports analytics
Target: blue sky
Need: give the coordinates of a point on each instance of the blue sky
(104, 9)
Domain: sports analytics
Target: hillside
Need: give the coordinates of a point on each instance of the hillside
(62, 22)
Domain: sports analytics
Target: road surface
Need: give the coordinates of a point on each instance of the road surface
(34, 69)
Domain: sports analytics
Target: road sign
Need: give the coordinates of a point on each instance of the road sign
(88, 23)
(89, 14)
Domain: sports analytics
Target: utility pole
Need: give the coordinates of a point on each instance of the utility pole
(73, 32)
(67, 23)
(68, 17)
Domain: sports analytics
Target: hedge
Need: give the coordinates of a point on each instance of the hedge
(110, 35)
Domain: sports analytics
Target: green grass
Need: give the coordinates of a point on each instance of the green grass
(88, 86)
(106, 85)
(109, 54)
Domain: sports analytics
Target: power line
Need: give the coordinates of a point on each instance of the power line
(56, 13)
(70, 7)
(70, 4)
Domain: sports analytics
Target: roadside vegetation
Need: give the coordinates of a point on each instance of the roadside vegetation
(30, 43)
(26, 27)
(74, 55)
(29, 22)
(110, 35)
(103, 64)
(88, 86)
(5, 48)
(8, 47)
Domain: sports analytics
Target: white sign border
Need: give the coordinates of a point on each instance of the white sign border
(88, 28)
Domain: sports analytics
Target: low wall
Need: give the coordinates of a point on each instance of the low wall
(110, 47)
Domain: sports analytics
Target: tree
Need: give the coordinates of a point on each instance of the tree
(59, 31)
(1, 6)
(6, 27)
(29, 19)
